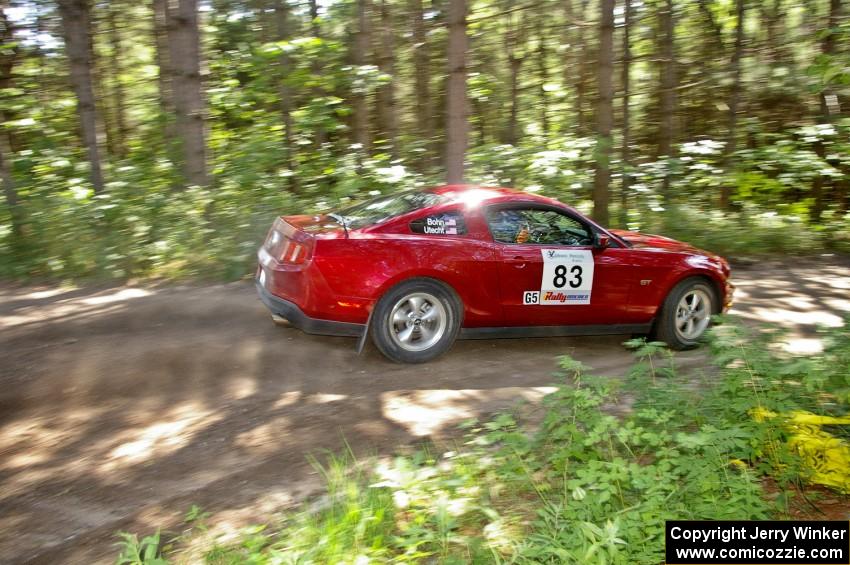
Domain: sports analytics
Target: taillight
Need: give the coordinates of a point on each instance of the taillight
(287, 244)
(293, 253)
(276, 242)
(285, 250)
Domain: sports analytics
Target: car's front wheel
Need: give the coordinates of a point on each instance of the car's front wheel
(416, 321)
(686, 313)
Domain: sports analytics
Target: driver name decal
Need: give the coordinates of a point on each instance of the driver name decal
(440, 226)
(567, 277)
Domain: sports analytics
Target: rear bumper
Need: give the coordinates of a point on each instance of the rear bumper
(303, 322)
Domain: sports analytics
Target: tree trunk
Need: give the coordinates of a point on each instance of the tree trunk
(76, 20)
(265, 25)
(8, 58)
(829, 109)
(162, 57)
(626, 133)
(828, 99)
(514, 37)
(773, 17)
(10, 192)
(321, 136)
(386, 95)
(604, 112)
(581, 68)
(46, 78)
(118, 100)
(668, 92)
(189, 107)
(282, 14)
(314, 19)
(734, 99)
(567, 66)
(105, 133)
(715, 30)
(457, 126)
(422, 67)
(543, 71)
(360, 101)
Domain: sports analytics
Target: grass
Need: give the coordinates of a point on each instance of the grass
(585, 486)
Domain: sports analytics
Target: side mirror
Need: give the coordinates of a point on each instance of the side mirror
(602, 240)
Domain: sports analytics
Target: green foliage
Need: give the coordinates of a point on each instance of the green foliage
(818, 383)
(630, 475)
(751, 232)
(587, 486)
(148, 224)
(196, 517)
(144, 227)
(352, 522)
(135, 552)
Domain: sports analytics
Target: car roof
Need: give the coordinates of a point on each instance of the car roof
(477, 194)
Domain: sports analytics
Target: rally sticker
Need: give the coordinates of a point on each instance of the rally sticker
(567, 277)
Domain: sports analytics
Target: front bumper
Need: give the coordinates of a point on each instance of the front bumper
(302, 321)
(730, 295)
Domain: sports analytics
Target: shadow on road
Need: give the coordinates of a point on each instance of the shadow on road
(121, 407)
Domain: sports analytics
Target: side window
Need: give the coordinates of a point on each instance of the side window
(447, 223)
(537, 226)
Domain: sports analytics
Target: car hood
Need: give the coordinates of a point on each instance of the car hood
(650, 241)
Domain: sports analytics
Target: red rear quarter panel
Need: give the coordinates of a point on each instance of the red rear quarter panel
(360, 270)
(347, 275)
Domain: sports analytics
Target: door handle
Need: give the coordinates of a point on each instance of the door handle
(518, 262)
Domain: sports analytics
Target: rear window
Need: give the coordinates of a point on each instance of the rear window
(383, 208)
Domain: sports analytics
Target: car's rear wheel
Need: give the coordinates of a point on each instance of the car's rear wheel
(686, 313)
(416, 321)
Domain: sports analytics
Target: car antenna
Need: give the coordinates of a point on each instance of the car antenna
(341, 219)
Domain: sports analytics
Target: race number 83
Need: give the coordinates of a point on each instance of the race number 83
(567, 277)
(561, 280)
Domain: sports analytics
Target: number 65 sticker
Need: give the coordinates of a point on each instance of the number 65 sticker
(567, 277)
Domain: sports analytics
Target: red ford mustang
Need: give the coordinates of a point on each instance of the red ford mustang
(419, 269)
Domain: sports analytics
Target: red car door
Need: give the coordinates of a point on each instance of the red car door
(550, 272)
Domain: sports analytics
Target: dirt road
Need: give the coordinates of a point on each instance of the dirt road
(121, 407)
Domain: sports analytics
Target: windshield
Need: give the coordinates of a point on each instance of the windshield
(383, 208)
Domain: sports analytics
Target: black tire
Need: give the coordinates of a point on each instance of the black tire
(387, 335)
(665, 324)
